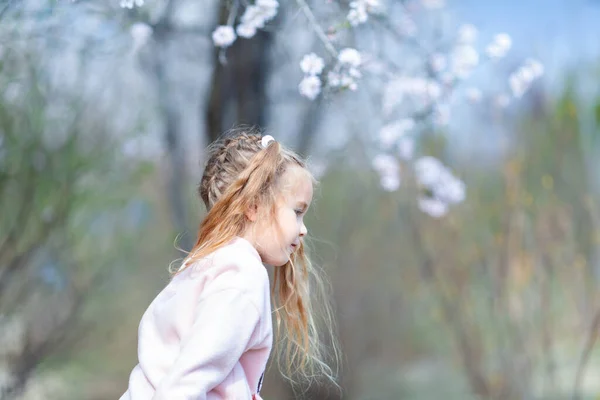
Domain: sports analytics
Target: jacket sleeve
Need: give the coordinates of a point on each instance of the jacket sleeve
(223, 327)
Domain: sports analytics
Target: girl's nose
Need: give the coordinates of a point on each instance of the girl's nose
(303, 230)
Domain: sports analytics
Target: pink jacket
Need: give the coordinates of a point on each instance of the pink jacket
(208, 333)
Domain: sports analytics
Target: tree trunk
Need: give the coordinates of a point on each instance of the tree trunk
(238, 90)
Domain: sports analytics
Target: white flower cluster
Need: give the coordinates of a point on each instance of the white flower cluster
(346, 72)
(312, 65)
(360, 10)
(464, 60)
(255, 17)
(397, 133)
(422, 91)
(343, 75)
(223, 36)
(499, 46)
(140, 33)
(521, 79)
(442, 188)
(131, 3)
(389, 171)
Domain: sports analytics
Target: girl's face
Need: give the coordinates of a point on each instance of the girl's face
(276, 245)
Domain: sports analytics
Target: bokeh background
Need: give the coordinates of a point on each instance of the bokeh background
(485, 286)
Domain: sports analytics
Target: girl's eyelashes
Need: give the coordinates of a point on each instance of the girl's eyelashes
(299, 212)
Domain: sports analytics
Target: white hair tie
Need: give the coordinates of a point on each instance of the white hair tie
(266, 140)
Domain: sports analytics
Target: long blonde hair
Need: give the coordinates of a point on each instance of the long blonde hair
(240, 173)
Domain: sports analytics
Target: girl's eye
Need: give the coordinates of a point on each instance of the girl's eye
(298, 212)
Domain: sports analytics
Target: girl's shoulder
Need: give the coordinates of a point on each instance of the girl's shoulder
(236, 265)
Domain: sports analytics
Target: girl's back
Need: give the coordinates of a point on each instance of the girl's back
(208, 334)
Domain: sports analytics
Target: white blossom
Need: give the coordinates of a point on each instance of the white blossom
(223, 36)
(520, 80)
(406, 147)
(389, 171)
(443, 188)
(371, 6)
(500, 45)
(449, 188)
(256, 16)
(420, 89)
(350, 57)
(357, 16)
(464, 59)
(467, 34)
(310, 87)
(268, 8)
(346, 72)
(428, 170)
(360, 10)
(433, 207)
(267, 4)
(390, 183)
(334, 79)
(354, 73)
(536, 67)
(246, 30)
(390, 133)
(140, 33)
(384, 162)
(312, 64)
(349, 83)
(131, 3)
(517, 84)
(433, 90)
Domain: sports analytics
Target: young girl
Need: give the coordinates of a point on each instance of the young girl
(208, 334)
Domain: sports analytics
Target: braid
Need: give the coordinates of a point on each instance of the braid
(228, 156)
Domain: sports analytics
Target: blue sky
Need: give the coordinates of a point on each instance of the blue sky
(560, 33)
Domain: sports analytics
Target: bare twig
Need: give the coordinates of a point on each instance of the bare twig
(317, 28)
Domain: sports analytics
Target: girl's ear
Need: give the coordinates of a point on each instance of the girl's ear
(252, 212)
